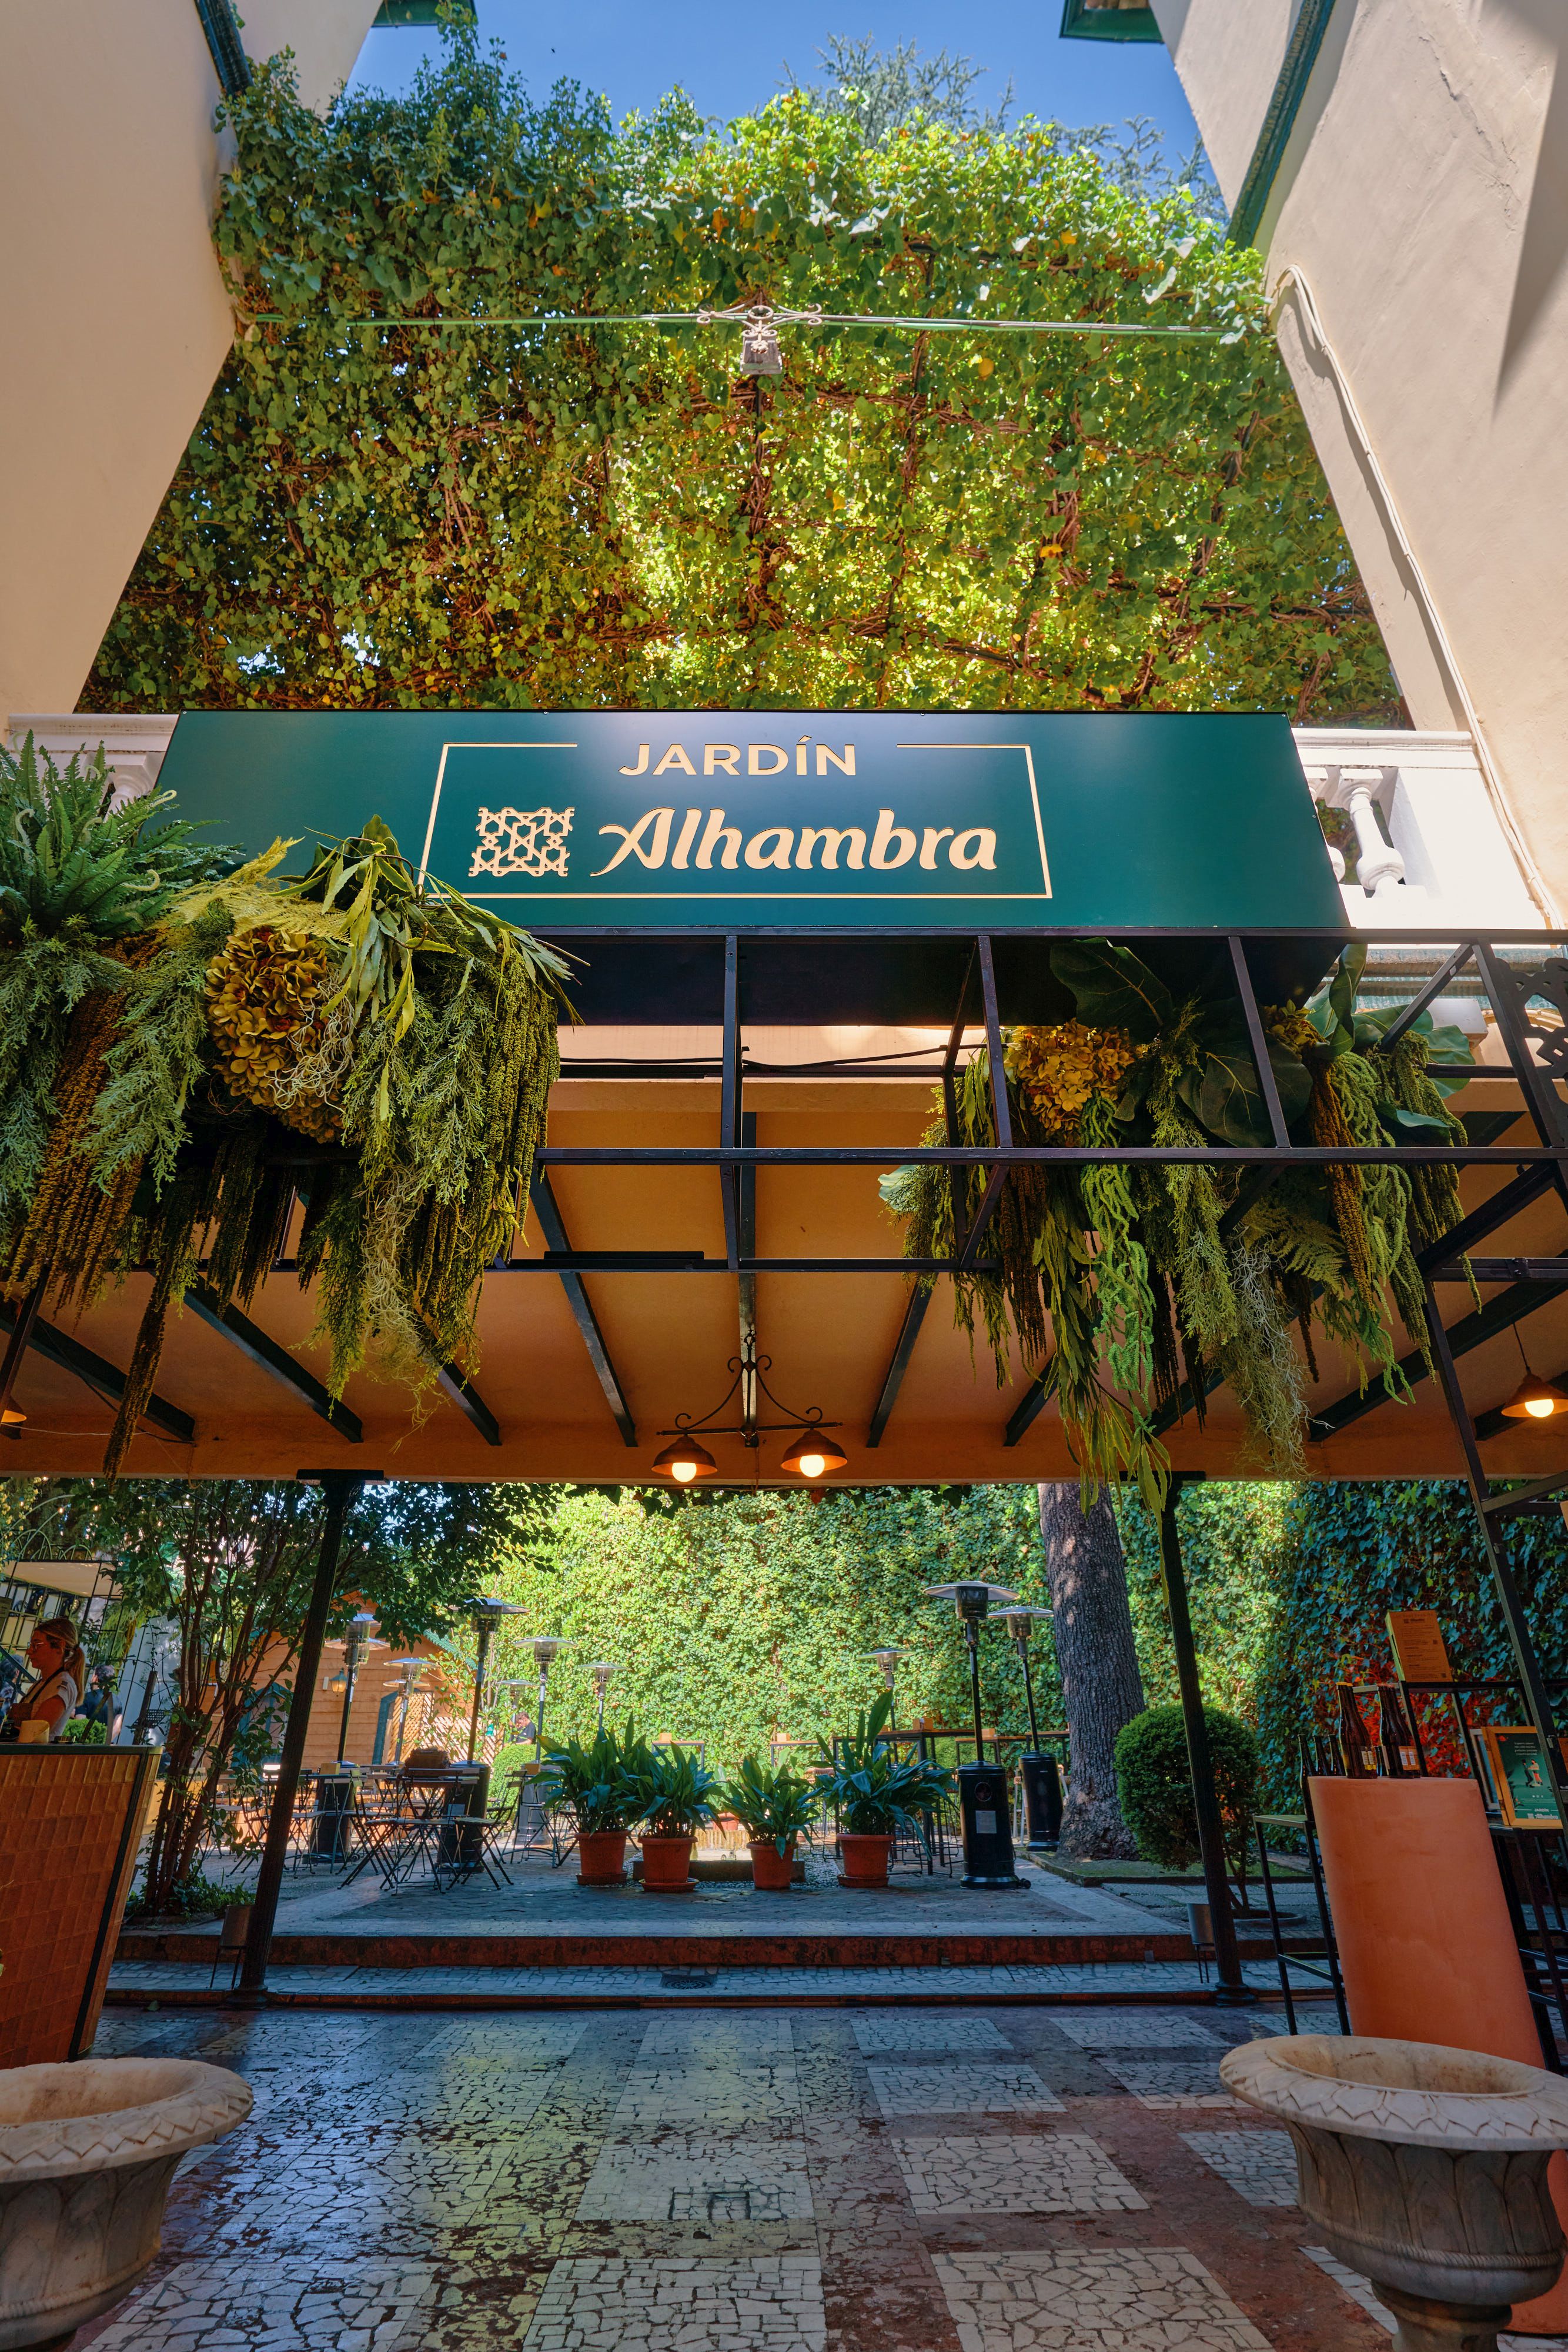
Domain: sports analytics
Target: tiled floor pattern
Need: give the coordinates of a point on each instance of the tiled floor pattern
(1259, 2165)
(702, 2179)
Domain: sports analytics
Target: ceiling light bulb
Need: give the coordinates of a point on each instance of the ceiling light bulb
(811, 1465)
(685, 1460)
(1540, 1408)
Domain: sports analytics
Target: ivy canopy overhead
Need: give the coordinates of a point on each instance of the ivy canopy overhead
(418, 514)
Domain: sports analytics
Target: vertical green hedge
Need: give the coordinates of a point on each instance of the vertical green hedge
(736, 1617)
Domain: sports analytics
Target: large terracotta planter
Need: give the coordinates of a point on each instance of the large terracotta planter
(87, 2154)
(602, 1856)
(771, 1871)
(1423, 2168)
(668, 1866)
(867, 1859)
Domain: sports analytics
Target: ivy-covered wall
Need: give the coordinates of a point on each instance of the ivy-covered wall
(745, 1616)
(410, 513)
(739, 1616)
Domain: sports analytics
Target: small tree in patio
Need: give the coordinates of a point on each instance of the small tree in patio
(230, 1561)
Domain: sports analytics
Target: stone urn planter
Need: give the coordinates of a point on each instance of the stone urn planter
(1424, 2168)
(867, 1858)
(602, 1856)
(772, 1872)
(87, 2154)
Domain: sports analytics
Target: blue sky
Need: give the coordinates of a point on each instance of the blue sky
(732, 59)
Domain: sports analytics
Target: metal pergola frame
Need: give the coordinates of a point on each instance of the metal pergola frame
(1006, 963)
(686, 977)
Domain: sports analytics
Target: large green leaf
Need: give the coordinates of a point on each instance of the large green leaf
(1223, 1094)
(1113, 989)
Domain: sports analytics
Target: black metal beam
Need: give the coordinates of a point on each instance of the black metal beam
(1499, 1315)
(915, 1308)
(467, 1398)
(1259, 1043)
(1504, 1269)
(1027, 1411)
(1488, 1509)
(730, 1099)
(1526, 1189)
(98, 1373)
(553, 1228)
(1412, 1012)
(264, 1351)
(1052, 1155)
(1233, 1988)
(919, 1298)
(746, 1239)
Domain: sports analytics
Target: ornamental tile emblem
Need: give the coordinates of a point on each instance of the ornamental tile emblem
(522, 841)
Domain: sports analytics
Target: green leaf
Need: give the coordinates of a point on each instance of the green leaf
(1113, 989)
(1223, 1094)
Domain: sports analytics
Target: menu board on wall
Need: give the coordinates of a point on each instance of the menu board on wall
(1416, 1638)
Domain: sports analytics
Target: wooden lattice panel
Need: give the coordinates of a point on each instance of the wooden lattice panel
(67, 1848)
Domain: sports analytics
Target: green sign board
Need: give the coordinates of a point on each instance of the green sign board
(792, 820)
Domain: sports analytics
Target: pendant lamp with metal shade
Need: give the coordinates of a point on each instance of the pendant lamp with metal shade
(1534, 1399)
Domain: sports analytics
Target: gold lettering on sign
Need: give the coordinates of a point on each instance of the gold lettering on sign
(780, 759)
(883, 855)
(641, 767)
(719, 759)
(771, 846)
(631, 840)
(983, 853)
(684, 838)
(830, 836)
(716, 831)
(932, 834)
(675, 757)
(846, 762)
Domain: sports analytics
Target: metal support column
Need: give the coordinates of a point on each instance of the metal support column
(338, 1488)
(1531, 1681)
(1232, 1989)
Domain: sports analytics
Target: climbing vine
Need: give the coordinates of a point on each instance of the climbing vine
(411, 513)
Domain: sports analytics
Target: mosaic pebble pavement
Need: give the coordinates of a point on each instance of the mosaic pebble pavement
(1018, 2179)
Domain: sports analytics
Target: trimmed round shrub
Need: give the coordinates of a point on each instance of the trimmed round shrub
(1153, 1781)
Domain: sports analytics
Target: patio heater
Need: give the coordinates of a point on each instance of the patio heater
(982, 1787)
(485, 1615)
(405, 1685)
(356, 1646)
(601, 1669)
(545, 1647)
(1041, 1774)
(886, 1661)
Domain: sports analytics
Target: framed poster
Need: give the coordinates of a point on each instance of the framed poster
(1519, 1779)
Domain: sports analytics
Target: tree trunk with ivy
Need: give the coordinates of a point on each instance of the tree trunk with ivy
(1102, 1689)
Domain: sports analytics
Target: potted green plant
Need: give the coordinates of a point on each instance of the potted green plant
(680, 1796)
(876, 1793)
(774, 1807)
(604, 1781)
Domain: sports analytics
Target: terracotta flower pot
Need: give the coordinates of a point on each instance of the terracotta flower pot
(866, 1858)
(771, 1871)
(87, 2154)
(666, 1865)
(602, 1854)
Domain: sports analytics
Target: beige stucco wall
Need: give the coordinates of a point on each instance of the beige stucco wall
(1423, 198)
(115, 317)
